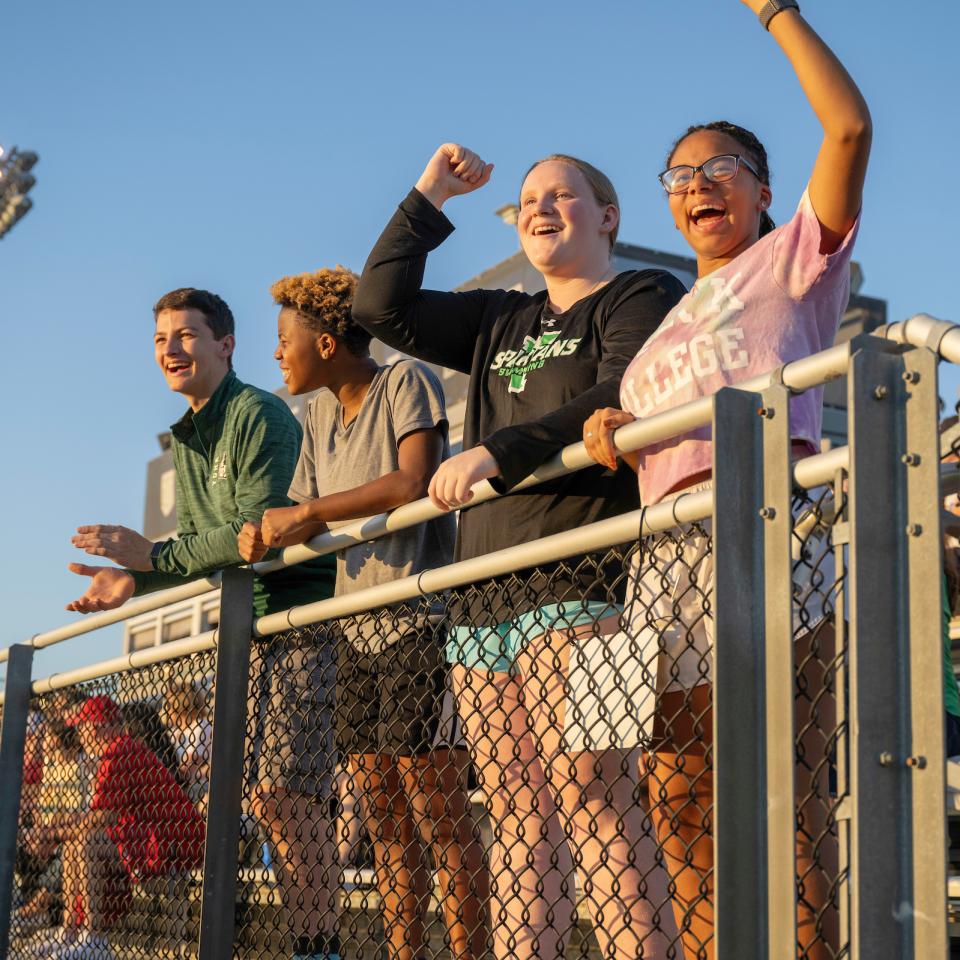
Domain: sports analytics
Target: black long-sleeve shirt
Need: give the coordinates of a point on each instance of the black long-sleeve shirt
(535, 375)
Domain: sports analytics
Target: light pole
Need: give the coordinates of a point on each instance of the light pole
(15, 183)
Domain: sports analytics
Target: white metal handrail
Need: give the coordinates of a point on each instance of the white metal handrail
(920, 330)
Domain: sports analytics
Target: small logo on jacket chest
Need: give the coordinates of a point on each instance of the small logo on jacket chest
(219, 471)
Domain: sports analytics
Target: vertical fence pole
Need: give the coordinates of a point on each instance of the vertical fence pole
(882, 888)
(779, 672)
(739, 751)
(218, 900)
(13, 735)
(927, 749)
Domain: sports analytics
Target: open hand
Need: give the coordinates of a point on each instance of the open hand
(250, 544)
(122, 545)
(108, 588)
(452, 170)
(598, 431)
(450, 485)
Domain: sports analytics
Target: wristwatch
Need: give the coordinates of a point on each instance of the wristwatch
(155, 552)
(772, 7)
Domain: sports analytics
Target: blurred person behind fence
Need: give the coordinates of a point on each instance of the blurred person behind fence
(139, 824)
(61, 793)
(234, 453)
(765, 296)
(538, 364)
(374, 437)
(186, 710)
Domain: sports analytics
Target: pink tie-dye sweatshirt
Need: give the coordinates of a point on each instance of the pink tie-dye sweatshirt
(780, 300)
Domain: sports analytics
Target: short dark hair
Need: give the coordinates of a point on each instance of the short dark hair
(750, 142)
(214, 309)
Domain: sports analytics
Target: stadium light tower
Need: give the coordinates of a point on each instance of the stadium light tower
(15, 183)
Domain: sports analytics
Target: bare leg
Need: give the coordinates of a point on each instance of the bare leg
(93, 880)
(435, 785)
(305, 849)
(818, 931)
(681, 800)
(349, 820)
(598, 798)
(530, 865)
(401, 869)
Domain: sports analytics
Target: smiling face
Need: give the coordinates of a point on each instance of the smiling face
(300, 354)
(563, 230)
(192, 360)
(718, 220)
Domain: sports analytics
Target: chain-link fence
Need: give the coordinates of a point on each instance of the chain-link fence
(520, 766)
(112, 812)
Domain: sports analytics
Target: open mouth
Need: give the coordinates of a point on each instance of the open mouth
(546, 229)
(705, 214)
(177, 367)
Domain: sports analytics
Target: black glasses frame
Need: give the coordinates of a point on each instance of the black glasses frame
(740, 161)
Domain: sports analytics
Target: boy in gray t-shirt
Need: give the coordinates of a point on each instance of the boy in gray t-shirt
(373, 439)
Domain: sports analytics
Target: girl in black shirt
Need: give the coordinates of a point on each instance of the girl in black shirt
(538, 365)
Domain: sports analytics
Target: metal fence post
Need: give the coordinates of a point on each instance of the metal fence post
(218, 900)
(927, 746)
(780, 675)
(13, 735)
(892, 664)
(739, 749)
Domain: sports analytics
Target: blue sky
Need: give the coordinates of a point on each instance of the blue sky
(225, 144)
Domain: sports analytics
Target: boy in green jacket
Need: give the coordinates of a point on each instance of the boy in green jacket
(234, 453)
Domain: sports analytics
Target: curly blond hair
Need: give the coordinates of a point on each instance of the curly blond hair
(323, 301)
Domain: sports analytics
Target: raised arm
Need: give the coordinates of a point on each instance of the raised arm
(836, 185)
(389, 302)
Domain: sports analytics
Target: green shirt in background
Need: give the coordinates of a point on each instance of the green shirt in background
(951, 695)
(233, 459)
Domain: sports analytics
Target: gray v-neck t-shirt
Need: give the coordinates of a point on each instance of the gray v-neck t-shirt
(403, 397)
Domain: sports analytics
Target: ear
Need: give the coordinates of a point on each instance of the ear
(326, 346)
(611, 218)
(227, 346)
(766, 197)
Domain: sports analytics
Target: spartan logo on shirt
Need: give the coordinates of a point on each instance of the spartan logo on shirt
(219, 471)
(711, 346)
(516, 364)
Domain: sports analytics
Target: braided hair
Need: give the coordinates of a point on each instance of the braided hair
(750, 143)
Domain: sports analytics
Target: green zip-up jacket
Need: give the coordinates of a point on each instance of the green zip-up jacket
(233, 459)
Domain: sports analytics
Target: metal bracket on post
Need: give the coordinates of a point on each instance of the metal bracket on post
(13, 736)
(881, 888)
(740, 743)
(218, 900)
(780, 674)
(927, 741)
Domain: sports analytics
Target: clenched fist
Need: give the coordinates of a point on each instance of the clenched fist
(452, 170)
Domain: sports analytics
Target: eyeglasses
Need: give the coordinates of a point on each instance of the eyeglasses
(717, 170)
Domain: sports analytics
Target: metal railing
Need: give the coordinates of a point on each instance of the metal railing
(756, 742)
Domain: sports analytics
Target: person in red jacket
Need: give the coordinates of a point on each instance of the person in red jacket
(140, 824)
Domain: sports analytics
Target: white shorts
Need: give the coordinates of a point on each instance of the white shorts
(666, 635)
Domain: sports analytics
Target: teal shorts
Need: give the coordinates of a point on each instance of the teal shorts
(496, 648)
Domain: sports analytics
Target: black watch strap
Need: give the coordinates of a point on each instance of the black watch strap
(155, 552)
(772, 7)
